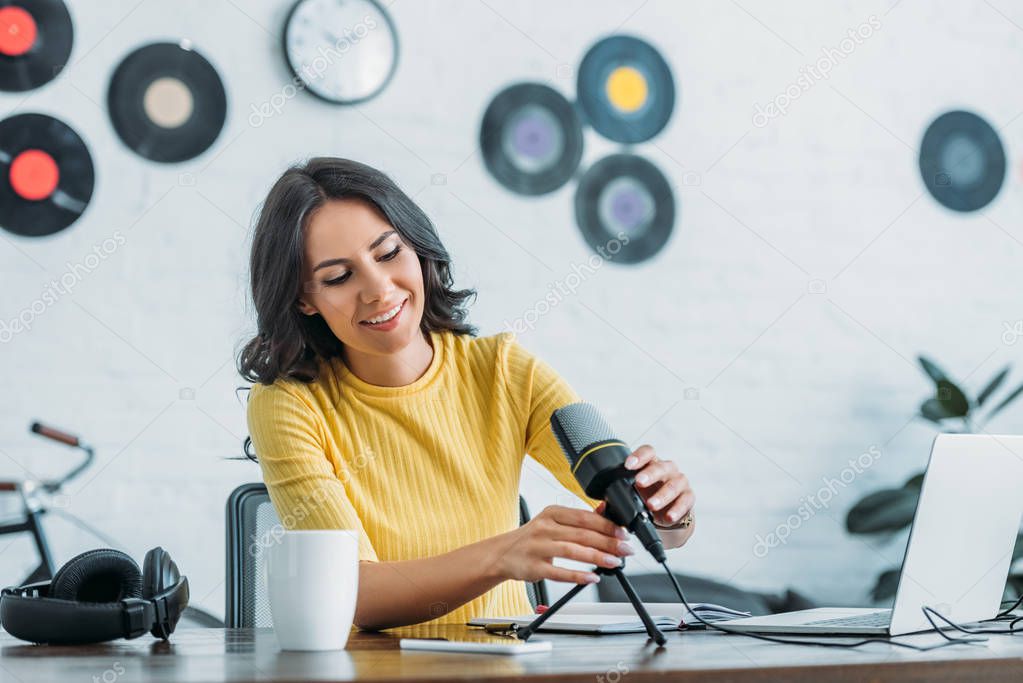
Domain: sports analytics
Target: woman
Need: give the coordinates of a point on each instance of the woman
(376, 408)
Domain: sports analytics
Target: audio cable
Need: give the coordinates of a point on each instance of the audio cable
(821, 643)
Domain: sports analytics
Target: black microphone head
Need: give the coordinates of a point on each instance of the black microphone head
(595, 455)
(597, 458)
(577, 426)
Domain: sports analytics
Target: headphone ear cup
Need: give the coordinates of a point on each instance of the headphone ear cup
(152, 572)
(100, 575)
(160, 575)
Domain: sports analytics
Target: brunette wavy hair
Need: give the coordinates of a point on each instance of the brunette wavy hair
(288, 343)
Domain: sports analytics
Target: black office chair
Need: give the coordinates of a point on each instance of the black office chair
(250, 516)
(536, 591)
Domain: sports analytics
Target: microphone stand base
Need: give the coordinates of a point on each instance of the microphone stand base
(655, 634)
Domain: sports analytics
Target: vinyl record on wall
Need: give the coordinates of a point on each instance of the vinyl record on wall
(532, 139)
(624, 193)
(167, 102)
(46, 175)
(35, 42)
(343, 51)
(625, 89)
(962, 161)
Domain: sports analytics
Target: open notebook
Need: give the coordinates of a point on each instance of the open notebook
(618, 617)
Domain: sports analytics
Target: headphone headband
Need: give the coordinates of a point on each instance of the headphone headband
(39, 589)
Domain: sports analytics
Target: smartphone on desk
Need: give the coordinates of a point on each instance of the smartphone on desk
(481, 643)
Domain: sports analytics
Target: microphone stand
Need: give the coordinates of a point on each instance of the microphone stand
(651, 629)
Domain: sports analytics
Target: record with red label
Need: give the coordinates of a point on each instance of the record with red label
(35, 42)
(46, 175)
(532, 139)
(167, 103)
(625, 208)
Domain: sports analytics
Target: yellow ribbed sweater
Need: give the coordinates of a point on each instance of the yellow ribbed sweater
(421, 469)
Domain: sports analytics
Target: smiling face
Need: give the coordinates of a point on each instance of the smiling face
(358, 268)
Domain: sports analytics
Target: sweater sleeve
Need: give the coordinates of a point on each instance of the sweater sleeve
(539, 391)
(304, 486)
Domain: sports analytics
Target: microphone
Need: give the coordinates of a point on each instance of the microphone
(597, 458)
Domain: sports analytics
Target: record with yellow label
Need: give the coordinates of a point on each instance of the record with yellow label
(625, 89)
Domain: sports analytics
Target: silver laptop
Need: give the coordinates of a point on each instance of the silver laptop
(959, 549)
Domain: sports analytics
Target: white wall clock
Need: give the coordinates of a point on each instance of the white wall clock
(344, 51)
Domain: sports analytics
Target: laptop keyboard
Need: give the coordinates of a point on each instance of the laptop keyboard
(881, 618)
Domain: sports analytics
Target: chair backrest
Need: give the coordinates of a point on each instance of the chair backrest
(252, 524)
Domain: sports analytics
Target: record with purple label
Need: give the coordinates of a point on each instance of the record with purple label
(625, 89)
(167, 103)
(532, 139)
(962, 161)
(46, 175)
(35, 42)
(625, 208)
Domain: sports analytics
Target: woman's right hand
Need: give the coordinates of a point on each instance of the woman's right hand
(527, 553)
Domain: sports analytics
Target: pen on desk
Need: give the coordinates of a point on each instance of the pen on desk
(499, 627)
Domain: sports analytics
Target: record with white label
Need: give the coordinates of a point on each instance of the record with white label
(625, 89)
(167, 103)
(625, 208)
(46, 175)
(531, 138)
(35, 42)
(962, 161)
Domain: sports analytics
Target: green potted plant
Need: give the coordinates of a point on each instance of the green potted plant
(891, 510)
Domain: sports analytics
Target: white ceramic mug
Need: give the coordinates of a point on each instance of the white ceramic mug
(312, 582)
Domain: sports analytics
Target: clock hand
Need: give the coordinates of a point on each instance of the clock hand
(333, 37)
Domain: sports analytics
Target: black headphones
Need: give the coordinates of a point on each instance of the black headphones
(98, 595)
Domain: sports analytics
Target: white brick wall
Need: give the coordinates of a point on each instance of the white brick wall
(791, 383)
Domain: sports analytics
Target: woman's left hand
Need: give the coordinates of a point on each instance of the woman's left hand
(665, 490)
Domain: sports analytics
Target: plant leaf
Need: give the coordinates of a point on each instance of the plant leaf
(932, 410)
(952, 399)
(932, 370)
(914, 482)
(1015, 581)
(884, 510)
(1005, 401)
(1017, 551)
(995, 382)
(886, 584)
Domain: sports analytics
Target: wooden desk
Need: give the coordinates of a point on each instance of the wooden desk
(195, 654)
